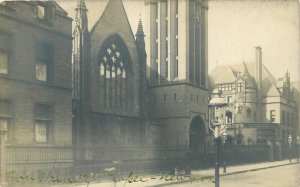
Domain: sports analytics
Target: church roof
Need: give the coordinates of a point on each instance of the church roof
(226, 74)
(114, 10)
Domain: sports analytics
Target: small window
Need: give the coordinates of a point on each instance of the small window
(3, 62)
(272, 115)
(239, 87)
(44, 63)
(41, 71)
(41, 11)
(41, 131)
(43, 119)
(6, 117)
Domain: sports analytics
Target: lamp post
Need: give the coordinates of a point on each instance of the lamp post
(290, 140)
(217, 125)
(225, 135)
(298, 147)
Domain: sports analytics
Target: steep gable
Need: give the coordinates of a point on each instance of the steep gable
(273, 92)
(112, 32)
(114, 18)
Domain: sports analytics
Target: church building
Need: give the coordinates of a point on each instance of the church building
(137, 105)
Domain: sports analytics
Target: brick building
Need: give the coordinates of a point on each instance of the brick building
(260, 108)
(35, 79)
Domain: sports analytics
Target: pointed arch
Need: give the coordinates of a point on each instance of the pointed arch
(197, 135)
(114, 71)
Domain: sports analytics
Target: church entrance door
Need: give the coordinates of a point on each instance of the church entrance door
(197, 135)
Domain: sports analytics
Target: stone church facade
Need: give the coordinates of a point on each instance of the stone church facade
(135, 105)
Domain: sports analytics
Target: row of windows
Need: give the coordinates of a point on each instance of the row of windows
(228, 87)
(42, 120)
(44, 54)
(225, 87)
(193, 97)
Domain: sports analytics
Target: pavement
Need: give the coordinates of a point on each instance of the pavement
(206, 175)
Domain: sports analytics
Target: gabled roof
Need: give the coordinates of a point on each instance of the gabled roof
(220, 75)
(114, 10)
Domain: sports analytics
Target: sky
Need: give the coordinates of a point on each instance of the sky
(235, 28)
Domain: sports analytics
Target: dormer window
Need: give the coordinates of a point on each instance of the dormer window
(41, 11)
(45, 12)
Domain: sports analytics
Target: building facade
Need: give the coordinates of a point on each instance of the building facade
(123, 101)
(177, 72)
(108, 66)
(35, 78)
(261, 108)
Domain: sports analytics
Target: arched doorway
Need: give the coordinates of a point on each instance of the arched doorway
(197, 135)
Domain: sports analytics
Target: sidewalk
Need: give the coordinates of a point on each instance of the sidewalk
(165, 180)
(245, 168)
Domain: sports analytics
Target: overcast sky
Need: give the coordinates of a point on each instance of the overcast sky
(235, 28)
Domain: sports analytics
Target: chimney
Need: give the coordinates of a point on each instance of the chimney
(258, 78)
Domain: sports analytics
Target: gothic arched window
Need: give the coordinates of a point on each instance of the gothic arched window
(113, 71)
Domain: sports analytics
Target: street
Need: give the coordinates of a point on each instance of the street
(283, 176)
(271, 174)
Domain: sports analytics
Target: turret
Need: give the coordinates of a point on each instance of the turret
(81, 19)
(140, 42)
(80, 54)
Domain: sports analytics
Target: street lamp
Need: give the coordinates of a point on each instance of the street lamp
(290, 140)
(298, 147)
(217, 125)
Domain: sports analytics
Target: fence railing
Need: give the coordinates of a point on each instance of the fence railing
(65, 160)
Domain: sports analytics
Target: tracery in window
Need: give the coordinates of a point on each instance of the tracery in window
(113, 75)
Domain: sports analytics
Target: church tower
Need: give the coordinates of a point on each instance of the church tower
(178, 71)
(178, 41)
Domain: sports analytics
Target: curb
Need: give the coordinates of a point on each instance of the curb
(256, 169)
(226, 174)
